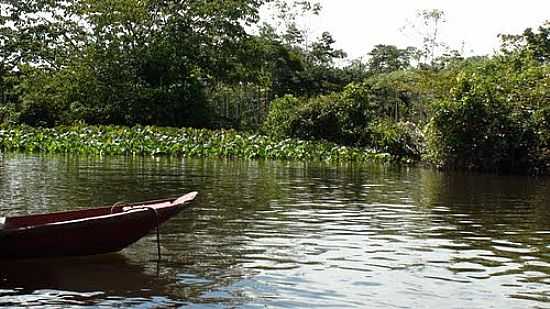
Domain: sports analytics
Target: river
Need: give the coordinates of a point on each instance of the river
(289, 235)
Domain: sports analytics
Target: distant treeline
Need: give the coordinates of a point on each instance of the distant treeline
(216, 64)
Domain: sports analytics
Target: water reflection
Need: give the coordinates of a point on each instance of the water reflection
(78, 274)
(294, 235)
(499, 226)
(111, 280)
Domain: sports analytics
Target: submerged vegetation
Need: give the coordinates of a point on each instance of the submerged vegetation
(222, 66)
(186, 142)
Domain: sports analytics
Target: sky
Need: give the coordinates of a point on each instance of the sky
(472, 26)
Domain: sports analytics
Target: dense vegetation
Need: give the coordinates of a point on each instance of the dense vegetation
(185, 142)
(481, 113)
(221, 65)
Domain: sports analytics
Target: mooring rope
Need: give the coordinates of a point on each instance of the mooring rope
(157, 224)
(155, 212)
(118, 204)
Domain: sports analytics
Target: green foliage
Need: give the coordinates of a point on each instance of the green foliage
(8, 115)
(388, 58)
(341, 117)
(535, 44)
(285, 64)
(489, 113)
(185, 142)
(494, 118)
(334, 118)
(196, 64)
(154, 62)
(542, 128)
(402, 139)
(42, 100)
(356, 116)
(281, 116)
(323, 52)
(122, 62)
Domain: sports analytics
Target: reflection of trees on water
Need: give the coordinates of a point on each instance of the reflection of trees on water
(93, 280)
(77, 274)
(24, 184)
(50, 183)
(255, 216)
(257, 212)
(501, 222)
(498, 204)
(244, 195)
(38, 184)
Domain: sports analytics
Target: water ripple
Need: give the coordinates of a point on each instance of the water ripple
(287, 235)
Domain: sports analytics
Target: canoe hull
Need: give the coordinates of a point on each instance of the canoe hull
(84, 236)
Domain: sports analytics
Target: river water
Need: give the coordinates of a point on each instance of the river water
(289, 235)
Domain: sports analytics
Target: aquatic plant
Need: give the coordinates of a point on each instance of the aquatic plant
(181, 142)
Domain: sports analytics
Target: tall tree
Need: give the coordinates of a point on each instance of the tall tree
(127, 61)
(427, 27)
(535, 43)
(388, 58)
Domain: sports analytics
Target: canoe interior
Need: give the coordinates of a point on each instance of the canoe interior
(41, 219)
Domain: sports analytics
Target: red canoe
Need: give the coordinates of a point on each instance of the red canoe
(85, 232)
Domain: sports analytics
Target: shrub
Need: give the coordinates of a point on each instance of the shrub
(8, 115)
(335, 118)
(339, 117)
(281, 114)
(488, 122)
(401, 139)
(542, 127)
(43, 97)
(361, 115)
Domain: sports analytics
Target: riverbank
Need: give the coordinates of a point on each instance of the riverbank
(184, 142)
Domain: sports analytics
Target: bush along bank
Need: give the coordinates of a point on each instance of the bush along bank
(362, 115)
(184, 142)
(489, 115)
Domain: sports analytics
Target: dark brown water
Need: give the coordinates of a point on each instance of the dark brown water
(287, 235)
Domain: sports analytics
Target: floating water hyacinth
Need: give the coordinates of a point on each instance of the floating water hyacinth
(184, 142)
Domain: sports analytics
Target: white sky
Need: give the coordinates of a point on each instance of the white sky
(358, 25)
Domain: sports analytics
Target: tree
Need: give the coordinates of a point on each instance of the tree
(287, 20)
(323, 51)
(427, 28)
(388, 58)
(128, 61)
(41, 32)
(535, 43)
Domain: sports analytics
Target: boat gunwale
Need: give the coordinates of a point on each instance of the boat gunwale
(135, 207)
